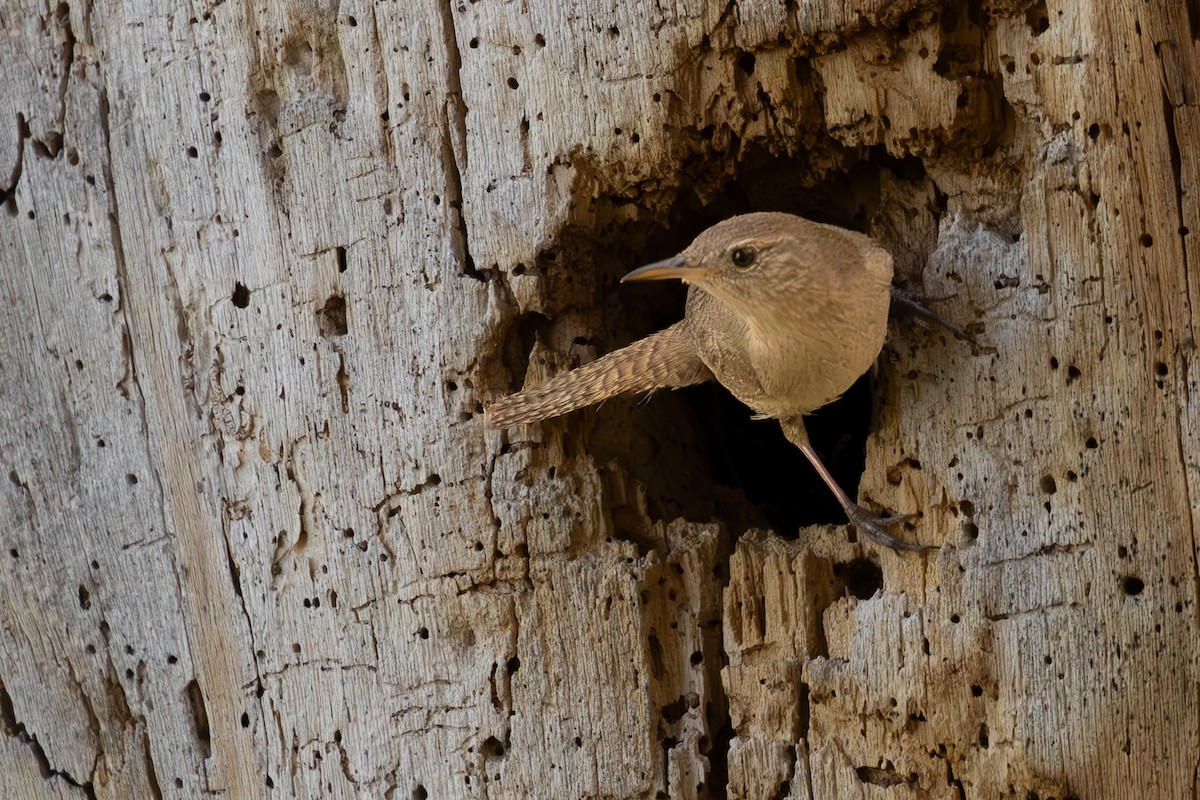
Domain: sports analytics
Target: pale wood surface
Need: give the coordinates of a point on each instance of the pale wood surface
(261, 264)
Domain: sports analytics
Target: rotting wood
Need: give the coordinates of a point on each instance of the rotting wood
(262, 265)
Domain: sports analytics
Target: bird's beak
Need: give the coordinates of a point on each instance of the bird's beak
(674, 267)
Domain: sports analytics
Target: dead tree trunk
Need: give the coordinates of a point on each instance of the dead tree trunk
(262, 264)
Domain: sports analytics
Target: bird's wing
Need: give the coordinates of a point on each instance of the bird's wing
(722, 340)
(666, 359)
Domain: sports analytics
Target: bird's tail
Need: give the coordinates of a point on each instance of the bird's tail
(664, 359)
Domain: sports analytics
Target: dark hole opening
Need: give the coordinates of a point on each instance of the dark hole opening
(861, 576)
(1037, 17)
(699, 451)
(755, 457)
(197, 703)
(332, 319)
(241, 295)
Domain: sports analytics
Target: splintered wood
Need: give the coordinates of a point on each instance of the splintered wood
(262, 265)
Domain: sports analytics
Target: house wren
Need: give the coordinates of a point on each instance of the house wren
(784, 313)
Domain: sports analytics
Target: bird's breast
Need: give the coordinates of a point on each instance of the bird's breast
(784, 364)
(816, 360)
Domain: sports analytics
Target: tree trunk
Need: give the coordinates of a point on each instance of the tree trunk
(263, 264)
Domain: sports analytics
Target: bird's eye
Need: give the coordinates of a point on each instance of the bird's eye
(743, 257)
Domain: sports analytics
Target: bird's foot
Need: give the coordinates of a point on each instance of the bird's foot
(916, 306)
(875, 528)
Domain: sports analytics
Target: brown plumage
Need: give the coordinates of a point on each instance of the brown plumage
(783, 312)
(667, 359)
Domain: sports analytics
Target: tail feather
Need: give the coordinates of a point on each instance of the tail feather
(667, 359)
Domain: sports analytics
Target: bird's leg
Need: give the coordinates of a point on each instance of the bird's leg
(874, 527)
(910, 303)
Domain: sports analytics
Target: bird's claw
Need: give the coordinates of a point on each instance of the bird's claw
(917, 308)
(875, 528)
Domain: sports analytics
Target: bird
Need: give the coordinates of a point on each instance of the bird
(784, 312)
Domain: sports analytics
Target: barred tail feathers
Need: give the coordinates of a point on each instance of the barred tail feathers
(666, 359)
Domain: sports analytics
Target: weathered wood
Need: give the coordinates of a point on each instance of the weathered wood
(261, 264)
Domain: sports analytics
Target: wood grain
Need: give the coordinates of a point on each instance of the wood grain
(263, 264)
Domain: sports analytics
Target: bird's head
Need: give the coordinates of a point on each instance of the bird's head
(767, 259)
